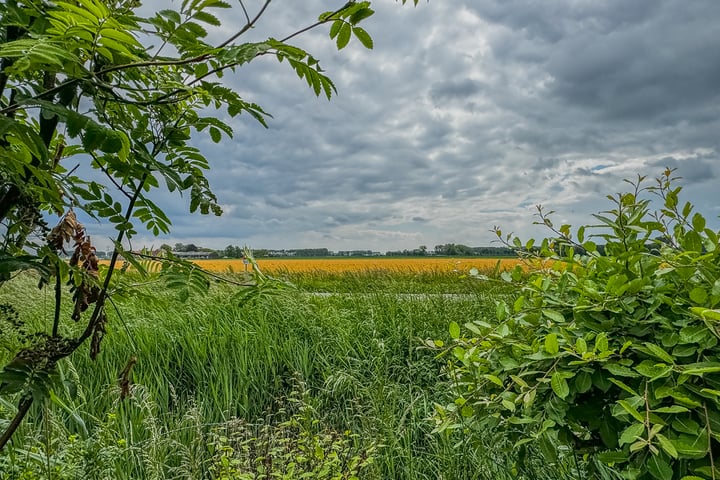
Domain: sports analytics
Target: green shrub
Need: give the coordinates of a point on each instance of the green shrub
(610, 351)
(294, 448)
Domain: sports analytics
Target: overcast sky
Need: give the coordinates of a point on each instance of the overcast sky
(465, 115)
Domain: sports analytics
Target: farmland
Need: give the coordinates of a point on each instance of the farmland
(363, 264)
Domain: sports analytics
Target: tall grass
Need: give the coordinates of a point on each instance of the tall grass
(292, 373)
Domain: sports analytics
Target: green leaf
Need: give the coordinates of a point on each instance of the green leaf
(344, 36)
(632, 433)
(590, 246)
(693, 333)
(583, 382)
(494, 379)
(454, 330)
(611, 457)
(75, 124)
(692, 242)
(335, 28)
(553, 315)
(653, 371)
(519, 381)
(671, 409)
(601, 342)
(208, 18)
(364, 37)
(658, 352)
(361, 14)
(620, 370)
(551, 344)
(171, 15)
(666, 445)
(691, 446)
(698, 295)
(631, 410)
(113, 142)
(518, 304)
(93, 136)
(624, 386)
(559, 385)
(659, 468)
(706, 313)
(701, 368)
(215, 134)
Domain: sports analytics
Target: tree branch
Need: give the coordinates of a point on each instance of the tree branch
(23, 408)
(100, 303)
(247, 26)
(94, 77)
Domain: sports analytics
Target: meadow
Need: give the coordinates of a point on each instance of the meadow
(331, 378)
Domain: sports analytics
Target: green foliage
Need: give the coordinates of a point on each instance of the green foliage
(207, 366)
(77, 84)
(611, 349)
(296, 447)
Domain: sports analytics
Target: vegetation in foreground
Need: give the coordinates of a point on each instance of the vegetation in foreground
(78, 85)
(612, 355)
(332, 386)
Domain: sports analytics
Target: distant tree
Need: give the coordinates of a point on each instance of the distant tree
(452, 249)
(311, 252)
(233, 251)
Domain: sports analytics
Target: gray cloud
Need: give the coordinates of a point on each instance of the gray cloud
(465, 115)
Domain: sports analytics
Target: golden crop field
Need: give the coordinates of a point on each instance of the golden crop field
(340, 265)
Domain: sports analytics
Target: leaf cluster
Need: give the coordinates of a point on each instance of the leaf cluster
(611, 348)
(99, 112)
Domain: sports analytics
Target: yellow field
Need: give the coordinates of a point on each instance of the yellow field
(338, 265)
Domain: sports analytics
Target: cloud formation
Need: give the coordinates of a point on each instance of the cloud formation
(465, 115)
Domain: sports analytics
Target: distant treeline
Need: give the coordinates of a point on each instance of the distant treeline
(448, 249)
(454, 250)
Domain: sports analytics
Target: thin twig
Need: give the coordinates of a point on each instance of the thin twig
(109, 176)
(247, 26)
(23, 408)
(709, 445)
(327, 19)
(58, 296)
(242, 5)
(100, 303)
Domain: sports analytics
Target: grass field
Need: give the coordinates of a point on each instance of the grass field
(330, 386)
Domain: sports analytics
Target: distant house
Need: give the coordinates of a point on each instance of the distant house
(281, 253)
(356, 253)
(192, 255)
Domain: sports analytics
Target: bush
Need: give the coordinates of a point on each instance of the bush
(298, 447)
(610, 350)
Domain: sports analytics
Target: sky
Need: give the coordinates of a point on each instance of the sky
(465, 116)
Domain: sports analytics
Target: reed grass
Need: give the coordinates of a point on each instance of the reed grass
(346, 372)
